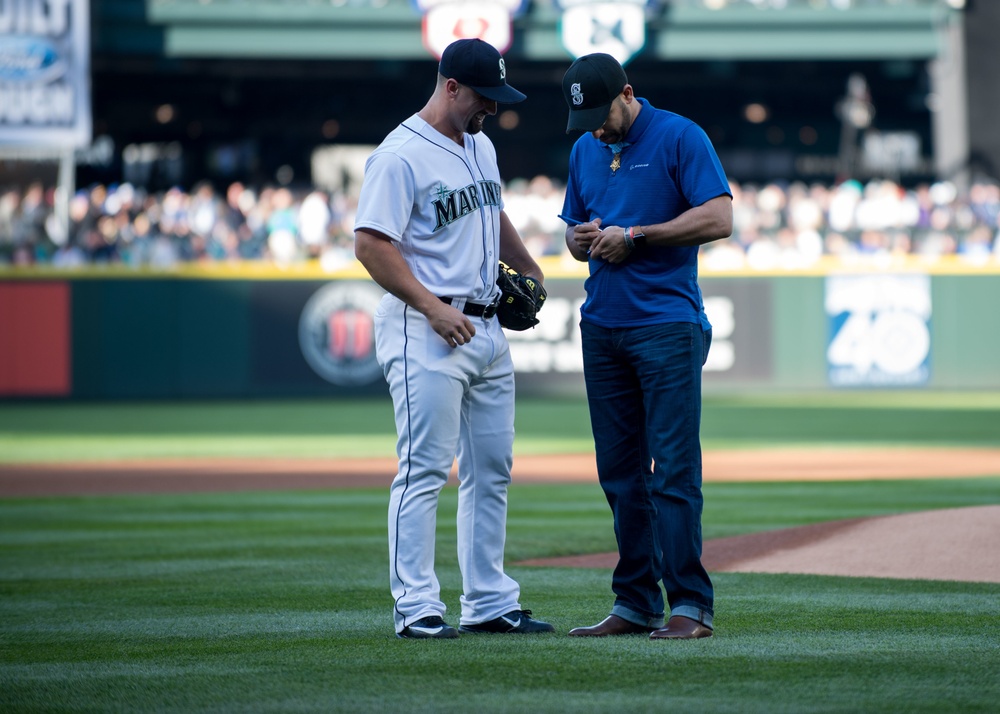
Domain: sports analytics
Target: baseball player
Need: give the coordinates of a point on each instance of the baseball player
(431, 230)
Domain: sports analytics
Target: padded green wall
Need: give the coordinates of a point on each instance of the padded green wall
(189, 337)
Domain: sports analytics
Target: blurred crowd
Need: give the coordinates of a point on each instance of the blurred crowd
(776, 226)
(127, 225)
(880, 222)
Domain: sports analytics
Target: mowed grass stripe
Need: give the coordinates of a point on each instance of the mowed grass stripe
(32, 432)
(840, 652)
(279, 601)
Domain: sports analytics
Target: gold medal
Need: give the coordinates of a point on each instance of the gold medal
(616, 162)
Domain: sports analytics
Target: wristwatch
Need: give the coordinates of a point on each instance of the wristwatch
(637, 236)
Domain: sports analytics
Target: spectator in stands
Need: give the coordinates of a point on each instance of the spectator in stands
(314, 223)
(776, 226)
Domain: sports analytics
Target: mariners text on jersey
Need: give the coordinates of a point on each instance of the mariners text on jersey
(452, 205)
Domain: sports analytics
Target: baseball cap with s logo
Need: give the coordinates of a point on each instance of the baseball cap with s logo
(590, 85)
(479, 66)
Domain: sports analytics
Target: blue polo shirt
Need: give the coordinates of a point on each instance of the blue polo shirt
(668, 167)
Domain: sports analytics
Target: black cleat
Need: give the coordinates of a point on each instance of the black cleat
(429, 628)
(515, 621)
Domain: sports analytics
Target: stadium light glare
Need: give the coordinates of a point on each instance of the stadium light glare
(509, 119)
(808, 135)
(164, 113)
(330, 129)
(756, 113)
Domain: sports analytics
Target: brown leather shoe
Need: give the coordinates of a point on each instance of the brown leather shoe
(611, 625)
(681, 628)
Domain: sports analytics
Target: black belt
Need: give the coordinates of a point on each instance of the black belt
(475, 309)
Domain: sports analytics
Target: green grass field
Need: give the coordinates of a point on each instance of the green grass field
(31, 432)
(278, 601)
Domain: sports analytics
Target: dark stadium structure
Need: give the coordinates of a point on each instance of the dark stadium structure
(176, 111)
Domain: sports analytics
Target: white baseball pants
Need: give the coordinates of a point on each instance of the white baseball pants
(448, 401)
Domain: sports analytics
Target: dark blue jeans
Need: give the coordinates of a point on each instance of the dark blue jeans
(644, 390)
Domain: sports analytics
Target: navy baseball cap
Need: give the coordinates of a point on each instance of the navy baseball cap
(590, 86)
(479, 66)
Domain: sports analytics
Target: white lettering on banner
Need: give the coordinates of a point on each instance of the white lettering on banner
(882, 292)
(553, 345)
(36, 104)
(879, 330)
(721, 312)
(721, 356)
(44, 70)
(617, 28)
(34, 17)
(894, 341)
(554, 323)
(546, 357)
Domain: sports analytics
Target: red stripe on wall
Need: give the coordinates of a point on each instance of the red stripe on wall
(35, 339)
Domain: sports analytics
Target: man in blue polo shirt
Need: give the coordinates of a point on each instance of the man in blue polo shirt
(645, 189)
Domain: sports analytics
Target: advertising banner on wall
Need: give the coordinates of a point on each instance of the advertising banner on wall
(446, 21)
(616, 28)
(336, 336)
(879, 330)
(337, 333)
(549, 357)
(742, 329)
(45, 73)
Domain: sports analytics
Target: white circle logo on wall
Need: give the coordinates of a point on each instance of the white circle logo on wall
(337, 333)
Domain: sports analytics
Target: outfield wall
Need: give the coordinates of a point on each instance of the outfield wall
(195, 334)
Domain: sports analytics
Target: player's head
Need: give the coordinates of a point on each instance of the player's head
(590, 86)
(479, 66)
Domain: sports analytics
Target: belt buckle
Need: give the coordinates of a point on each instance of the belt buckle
(491, 309)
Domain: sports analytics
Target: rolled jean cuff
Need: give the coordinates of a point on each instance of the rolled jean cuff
(637, 619)
(693, 613)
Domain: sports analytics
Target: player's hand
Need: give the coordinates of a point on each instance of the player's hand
(609, 245)
(583, 235)
(452, 325)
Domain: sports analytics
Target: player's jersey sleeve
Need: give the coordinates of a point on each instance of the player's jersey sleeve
(386, 200)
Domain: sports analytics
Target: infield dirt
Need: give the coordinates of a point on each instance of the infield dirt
(954, 544)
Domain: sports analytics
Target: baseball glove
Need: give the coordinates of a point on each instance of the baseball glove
(520, 301)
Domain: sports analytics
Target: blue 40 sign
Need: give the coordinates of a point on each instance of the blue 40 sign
(879, 332)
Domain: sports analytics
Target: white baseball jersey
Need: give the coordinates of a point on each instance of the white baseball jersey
(440, 204)
(428, 193)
